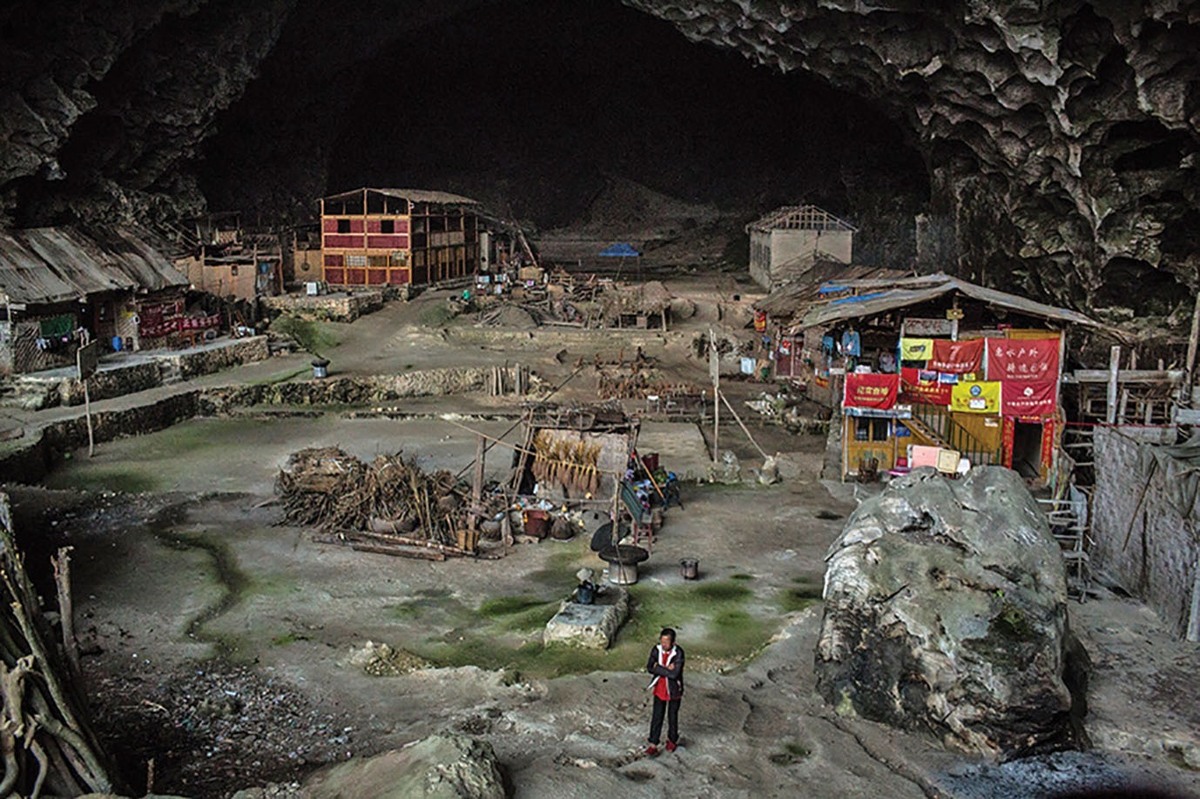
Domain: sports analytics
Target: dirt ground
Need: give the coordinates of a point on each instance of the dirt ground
(218, 641)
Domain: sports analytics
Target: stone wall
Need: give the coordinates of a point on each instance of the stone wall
(339, 307)
(111, 383)
(195, 362)
(30, 463)
(353, 390)
(1143, 536)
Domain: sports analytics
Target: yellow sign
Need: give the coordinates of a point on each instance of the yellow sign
(976, 397)
(916, 349)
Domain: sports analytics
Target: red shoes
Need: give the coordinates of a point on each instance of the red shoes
(651, 750)
(671, 746)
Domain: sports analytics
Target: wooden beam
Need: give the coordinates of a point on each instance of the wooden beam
(1193, 344)
(1114, 368)
(1128, 376)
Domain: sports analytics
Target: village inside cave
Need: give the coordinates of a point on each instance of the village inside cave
(853, 346)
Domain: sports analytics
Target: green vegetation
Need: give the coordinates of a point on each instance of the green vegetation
(436, 315)
(793, 752)
(806, 594)
(315, 337)
(715, 622)
(288, 638)
(89, 476)
(281, 377)
(741, 576)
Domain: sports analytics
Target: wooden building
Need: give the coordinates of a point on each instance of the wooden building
(934, 366)
(229, 261)
(380, 237)
(60, 284)
(786, 242)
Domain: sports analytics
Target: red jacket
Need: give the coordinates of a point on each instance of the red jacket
(670, 675)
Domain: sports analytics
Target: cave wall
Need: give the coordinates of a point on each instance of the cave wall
(1059, 138)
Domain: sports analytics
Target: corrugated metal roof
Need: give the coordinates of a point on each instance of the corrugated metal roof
(49, 265)
(413, 195)
(796, 295)
(914, 291)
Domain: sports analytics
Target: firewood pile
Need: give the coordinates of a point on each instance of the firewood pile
(570, 463)
(387, 504)
(45, 734)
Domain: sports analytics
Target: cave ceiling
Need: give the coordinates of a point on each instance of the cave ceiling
(1056, 141)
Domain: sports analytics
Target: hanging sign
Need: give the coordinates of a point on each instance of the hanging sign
(1028, 399)
(920, 387)
(1029, 370)
(975, 397)
(874, 390)
(916, 326)
(957, 357)
(1034, 360)
(916, 349)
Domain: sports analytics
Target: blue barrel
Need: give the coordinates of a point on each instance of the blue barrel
(116, 343)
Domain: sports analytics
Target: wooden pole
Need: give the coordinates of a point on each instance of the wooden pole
(1193, 344)
(87, 412)
(66, 609)
(477, 483)
(714, 365)
(738, 419)
(1114, 369)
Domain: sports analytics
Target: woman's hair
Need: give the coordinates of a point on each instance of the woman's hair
(667, 631)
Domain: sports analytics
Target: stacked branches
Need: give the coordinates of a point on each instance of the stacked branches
(44, 738)
(335, 492)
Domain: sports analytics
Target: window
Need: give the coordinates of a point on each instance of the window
(343, 226)
(387, 226)
(867, 429)
(356, 260)
(377, 260)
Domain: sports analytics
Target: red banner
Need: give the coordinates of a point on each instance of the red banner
(957, 357)
(873, 390)
(923, 388)
(1027, 398)
(1029, 371)
(1034, 360)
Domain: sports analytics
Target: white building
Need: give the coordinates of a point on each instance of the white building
(785, 243)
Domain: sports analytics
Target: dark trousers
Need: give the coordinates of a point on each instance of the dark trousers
(671, 708)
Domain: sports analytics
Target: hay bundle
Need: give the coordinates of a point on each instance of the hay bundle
(336, 492)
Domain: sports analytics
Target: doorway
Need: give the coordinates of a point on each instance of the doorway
(1027, 449)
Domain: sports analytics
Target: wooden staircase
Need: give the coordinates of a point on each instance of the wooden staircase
(937, 428)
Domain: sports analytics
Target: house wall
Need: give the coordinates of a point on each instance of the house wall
(220, 279)
(1147, 542)
(790, 245)
(306, 265)
(760, 258)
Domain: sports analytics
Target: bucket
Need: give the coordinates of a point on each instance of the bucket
(536, 522)
(320, 369)
(689, 568)
(117, 344)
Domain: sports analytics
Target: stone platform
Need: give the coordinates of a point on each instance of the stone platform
(340, 306)
(589, 626)
(124, 373)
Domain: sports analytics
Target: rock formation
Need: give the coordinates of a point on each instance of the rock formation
(946, 610)
(445, 766)
(1061, 138)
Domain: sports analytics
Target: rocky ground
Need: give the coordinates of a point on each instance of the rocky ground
(219, 643)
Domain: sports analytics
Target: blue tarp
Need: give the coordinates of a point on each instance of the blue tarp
(621, 249)
(859, 298)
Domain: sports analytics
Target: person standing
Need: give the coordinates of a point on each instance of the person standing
(666, 664)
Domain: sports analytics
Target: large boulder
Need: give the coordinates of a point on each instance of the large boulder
(946, 610)
(443, 766)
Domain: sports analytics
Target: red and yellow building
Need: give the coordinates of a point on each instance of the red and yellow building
(382, 237)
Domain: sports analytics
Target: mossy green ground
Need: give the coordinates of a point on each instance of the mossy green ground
(157, 456)
(720, 623)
